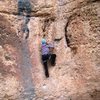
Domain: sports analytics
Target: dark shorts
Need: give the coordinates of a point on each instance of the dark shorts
(49, 57)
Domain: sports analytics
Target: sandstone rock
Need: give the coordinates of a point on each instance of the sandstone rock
(73, 26)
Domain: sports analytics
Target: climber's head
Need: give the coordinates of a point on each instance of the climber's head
(43, 41)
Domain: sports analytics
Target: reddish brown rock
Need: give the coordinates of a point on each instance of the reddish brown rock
(73, 26)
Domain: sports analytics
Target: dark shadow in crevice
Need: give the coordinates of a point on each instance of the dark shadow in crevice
(90, 1)
(57, 40)
(47, 23)
(68, 37)
(24, 7)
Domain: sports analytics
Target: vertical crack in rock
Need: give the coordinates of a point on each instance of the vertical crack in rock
(66, 35)
(47, 23)
(69, 38)
(25, 28)
(26, 74)
(24, 10)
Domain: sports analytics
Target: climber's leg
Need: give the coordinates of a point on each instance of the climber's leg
(44, 60)
(53, 59)
(46, 69)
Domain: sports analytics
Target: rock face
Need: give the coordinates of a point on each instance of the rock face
(74, 28)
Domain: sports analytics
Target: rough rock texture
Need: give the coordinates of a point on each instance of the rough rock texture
(74, 28)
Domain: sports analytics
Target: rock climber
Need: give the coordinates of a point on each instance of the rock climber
(47, 55)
